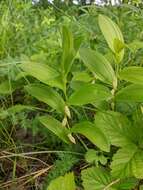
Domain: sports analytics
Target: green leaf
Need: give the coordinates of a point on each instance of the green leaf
(14, 110)
(137, 164)
(115, 127)
(89, 93)
(126, 184)
(102, 105)
(56, 127)
(40, 71)
(7, 88)
(46, 95)
(63, 183)
(141, 187)
(56, 82)
(94, 134)
(76, 85)
(118, 45)
(131, 93)
(111, 32)
(82, 76)
(91, 155)
(96, 179)
(135, 45)
(132, 74)
(78, 39)
(100, 179)
(68, 49)
(20, 75)
(127, 162)
(98, 65)
(94, 156)
(19, 108)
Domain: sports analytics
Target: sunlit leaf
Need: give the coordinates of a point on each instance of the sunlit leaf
(68, 49)
(127, 162)
(63, 183)
(111, 32)
(131, 93)
(82, 76)
(47, 95)
(96, 179)
(89, 93)
(132, 74)
(93, 133)
(116, 127)
(98, 65)
(40, 71)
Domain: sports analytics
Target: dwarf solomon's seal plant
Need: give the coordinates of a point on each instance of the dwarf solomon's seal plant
(106, 89)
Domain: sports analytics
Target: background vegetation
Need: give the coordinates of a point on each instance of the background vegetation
(64, 118)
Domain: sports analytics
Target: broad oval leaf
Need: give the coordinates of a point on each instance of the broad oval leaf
(57, 82)
(82, 76)
(116, 127)
(111, 33)
(40, 71)
(127, 162)
(98, 64)
(63, 183)
(93, 133)
(96, 179)
(137, 164)
(56, 127)
(131, 93)
(132, 74)
(89, 93)
(46, 95)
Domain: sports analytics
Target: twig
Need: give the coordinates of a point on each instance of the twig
(33, 153)
(5, 184)
(36, 175)
(112, 183)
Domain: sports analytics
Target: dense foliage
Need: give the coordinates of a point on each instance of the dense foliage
(71, 95)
